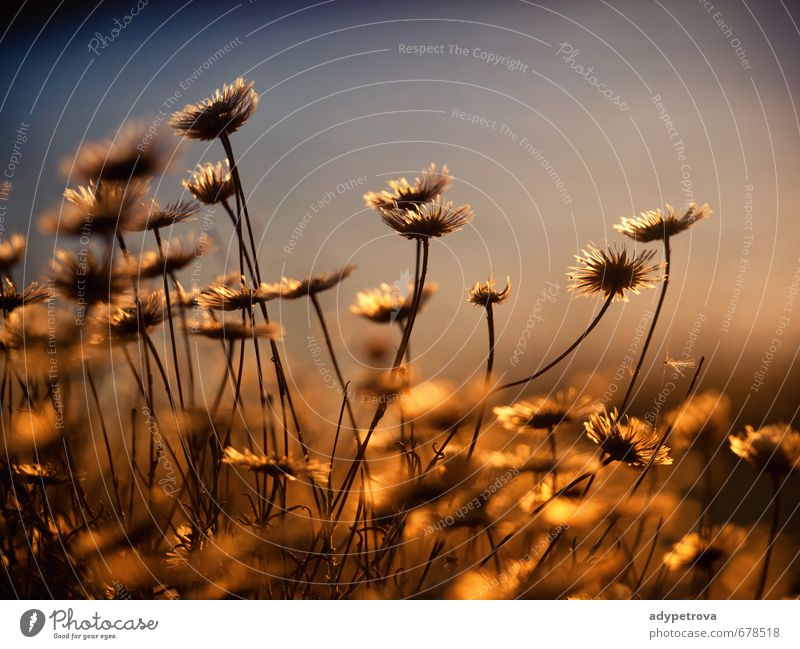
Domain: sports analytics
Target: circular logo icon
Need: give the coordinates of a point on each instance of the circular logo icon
(31, 622)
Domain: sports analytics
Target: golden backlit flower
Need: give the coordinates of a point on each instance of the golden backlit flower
(177, 255)
(223, 114)
(234, 329)
(426, 220)
(486, 294)
(706, 549)
(703, 419)
(291, 289)
(439, 405)
(613, 272)
(225, 297)
(544, 413)
(10, 299)
(82, 278)
(157, 217)
(403, 194)
(122, 324)
(629, 440)
(39, 473)
(11, 250)
(100, 207)
(134, 151)
(276, 466)
(387, 303)
(211, 183)
(655, 225)
(773, 449)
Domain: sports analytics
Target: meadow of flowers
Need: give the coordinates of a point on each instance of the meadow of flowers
(155, 445)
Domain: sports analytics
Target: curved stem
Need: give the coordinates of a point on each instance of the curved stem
(487, 379)
(169, 320)
(773, 534)
(564, 354)
(382, 406)
(629, 392)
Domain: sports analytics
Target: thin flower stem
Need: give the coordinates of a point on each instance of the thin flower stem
(169, 321)
(667, 432)
(564, 354)
(773, 535)
(487, 379)
(326, 334)
(664, 285)
(381, 409)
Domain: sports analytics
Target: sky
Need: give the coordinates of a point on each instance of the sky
(554, 118)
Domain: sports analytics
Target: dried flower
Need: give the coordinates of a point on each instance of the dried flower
(544, 413)
(157, 217)
(101, 206)
(210, 183)
(223, 114)
(31, 294)
(276, 466)
(654, 225)
(404, 195)
(38, 473)
(612, 272)
(123, 324)
(485, 294)
(427, 220)
(235, 330)
(774, 449)
(629, 440)
(702, 419)
(11, 250)
(387, 304)
(133, 152)
(177, 255)
(224, 297)
(291, 289)
(706, 549)
(80, 277)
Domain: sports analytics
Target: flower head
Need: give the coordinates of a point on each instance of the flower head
(703, 419)
(613, 272)
(387, 304)
(158, 217)
(225, 297)
(655, 225)
(177, 254)
(10, 299)
(706, 549)
(122, 324)
(235, 330)
(276, 466)
(544, 413)
(11, 250)
(427, 220)
(39, 473)
(629, 440)
(403, 195)
(486, 294)
(210, 183)
(773, 449)
(101, 206)
(291, 289)
(133, 152)
(82, 278)
(223, 114)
